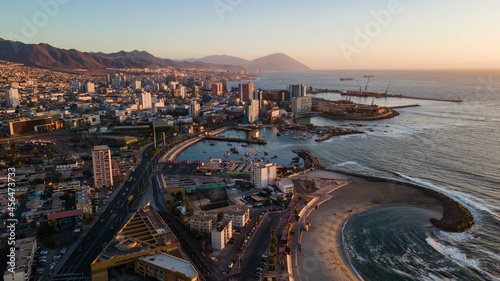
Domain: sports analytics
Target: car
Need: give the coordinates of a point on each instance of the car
(264, 256)
(89, 237)
(230, 265)
(242, 260)
(123, 194)
(56, 258)
(213, 258)
(80, 248)
(111, 211)
(52, 267)
(44, 252)
(101, 220)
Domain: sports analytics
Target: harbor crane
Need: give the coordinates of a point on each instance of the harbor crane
(358, 86)
(387, 88)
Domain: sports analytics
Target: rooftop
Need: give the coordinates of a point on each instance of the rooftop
(100, 147)
(171, 263)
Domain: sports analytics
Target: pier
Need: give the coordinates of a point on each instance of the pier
(378, 95)
(247, 140)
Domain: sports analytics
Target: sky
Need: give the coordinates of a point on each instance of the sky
(322, 34)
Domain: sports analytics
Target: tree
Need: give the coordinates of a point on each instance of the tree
(288, 250)
(308, 186)
(274, 240)
(267, 202)
(272, 259)
(272, 249)
(279, 199)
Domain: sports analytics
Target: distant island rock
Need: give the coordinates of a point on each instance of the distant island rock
(273, 62)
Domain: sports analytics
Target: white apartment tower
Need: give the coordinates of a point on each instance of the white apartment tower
(263, 174)
(221, 234)
(12, 97)
(101, 162)
(145, 100)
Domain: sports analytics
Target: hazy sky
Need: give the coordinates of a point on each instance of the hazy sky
(321, 34)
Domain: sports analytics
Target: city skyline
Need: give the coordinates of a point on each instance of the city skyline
(322, 35)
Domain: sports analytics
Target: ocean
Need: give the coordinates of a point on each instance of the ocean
(450, 147)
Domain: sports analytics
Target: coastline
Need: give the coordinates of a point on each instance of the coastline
(323, 256)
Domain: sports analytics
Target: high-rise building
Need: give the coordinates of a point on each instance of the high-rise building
(195, 91)
(263, 174)
(76, 85)
(12, 97)
(116, 81)
(207, 84)
(216, 89)
(90, 88)
(137, 84)
(251, 111)
(101, 162)
(246, 91)
(194, 109)
(172, 85)
(258, 95)
(301, 105)
(283, 96)
(145, 100)
(221, 234)
(296, 91)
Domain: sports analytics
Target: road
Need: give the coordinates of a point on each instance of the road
(203, 265)
(257, 246)
(112, 219)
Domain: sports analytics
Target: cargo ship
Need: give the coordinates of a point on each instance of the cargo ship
(346, 79)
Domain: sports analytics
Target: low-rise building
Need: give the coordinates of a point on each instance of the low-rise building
(238, 215)
(202, 221)
(24, 256)
(285, 185)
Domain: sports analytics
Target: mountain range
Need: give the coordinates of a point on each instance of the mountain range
(46, 56)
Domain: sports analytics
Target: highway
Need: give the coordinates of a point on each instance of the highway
(112, 219)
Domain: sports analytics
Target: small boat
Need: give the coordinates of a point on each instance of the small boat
(227, 154)
(248, 154)
(204, 152)
(256, 154)
(243, 145)
(274, 157)
(278, 134)
(213, 144)
(265, 153)
(234, 150)
(229, 144)
(242, 158)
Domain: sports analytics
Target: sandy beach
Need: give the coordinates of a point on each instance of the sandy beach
(323, 256)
